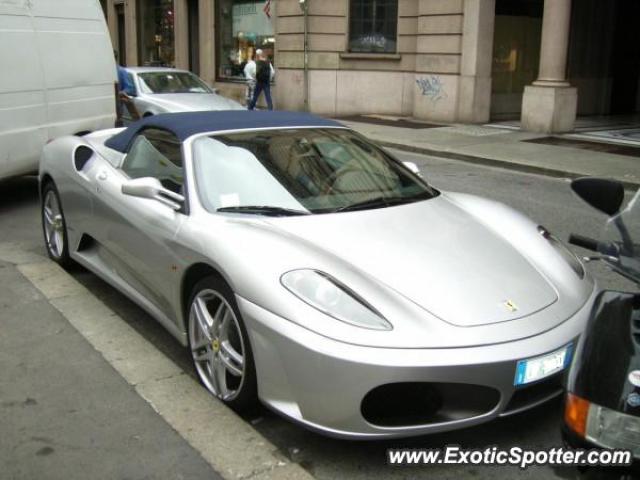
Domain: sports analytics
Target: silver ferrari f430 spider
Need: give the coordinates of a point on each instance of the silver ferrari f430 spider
(305, 267)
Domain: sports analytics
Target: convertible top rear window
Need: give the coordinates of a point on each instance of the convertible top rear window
(304, 170)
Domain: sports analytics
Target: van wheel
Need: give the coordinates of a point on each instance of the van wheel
(54, 226)
(220, 346)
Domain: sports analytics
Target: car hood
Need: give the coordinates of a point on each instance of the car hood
(435, 254)
(180, 102)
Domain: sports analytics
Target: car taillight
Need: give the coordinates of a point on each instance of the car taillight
(576, 413)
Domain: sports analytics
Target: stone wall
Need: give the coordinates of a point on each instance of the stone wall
(422, 79)
(441, 70)
(438, 58)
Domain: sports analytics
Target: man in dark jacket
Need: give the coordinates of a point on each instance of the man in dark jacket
(264, 76)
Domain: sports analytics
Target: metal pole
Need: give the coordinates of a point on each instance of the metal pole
(304, 4)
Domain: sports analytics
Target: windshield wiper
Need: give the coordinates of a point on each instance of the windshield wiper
(382, 201)
(264, 210)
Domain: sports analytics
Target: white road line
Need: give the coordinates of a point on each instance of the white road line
(227, 443)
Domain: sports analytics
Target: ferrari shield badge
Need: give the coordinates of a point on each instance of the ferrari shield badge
(510, 305)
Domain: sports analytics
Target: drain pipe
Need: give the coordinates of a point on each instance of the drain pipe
(304, 5)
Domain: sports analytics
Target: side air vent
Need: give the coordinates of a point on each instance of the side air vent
(81, 156)
(86, 243)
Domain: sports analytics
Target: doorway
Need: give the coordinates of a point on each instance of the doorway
(625, 59)
(516, 54)
(194, 37)
(122, 39)
(604, 57)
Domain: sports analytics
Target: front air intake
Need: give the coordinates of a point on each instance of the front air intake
(421, 403)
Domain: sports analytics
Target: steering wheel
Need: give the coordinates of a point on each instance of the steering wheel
(336, 176)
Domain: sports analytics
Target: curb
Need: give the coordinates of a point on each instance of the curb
(493, 162)
(233, 448)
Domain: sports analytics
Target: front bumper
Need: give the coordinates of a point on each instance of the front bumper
(321, 383)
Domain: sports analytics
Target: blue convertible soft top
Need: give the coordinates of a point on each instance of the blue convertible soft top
(186, 124)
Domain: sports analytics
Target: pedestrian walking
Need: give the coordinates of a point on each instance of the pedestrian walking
(250, 77)
(264, 76)
(125, 91)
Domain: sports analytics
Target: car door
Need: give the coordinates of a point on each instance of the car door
(139, 233)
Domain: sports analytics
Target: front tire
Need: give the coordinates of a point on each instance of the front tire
(220, 346)
(54, 226)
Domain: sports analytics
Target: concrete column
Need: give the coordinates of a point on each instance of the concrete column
(181, 33)
(550, 104)
(131, 32)
(474, 104)
(555, 43)
(112, 23)
(207, 34)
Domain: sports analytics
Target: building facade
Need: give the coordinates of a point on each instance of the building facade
(541, 61)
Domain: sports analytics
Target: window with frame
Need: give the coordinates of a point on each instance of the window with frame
(156, 32)
(373, 26)
(156, 153)
(243, 26)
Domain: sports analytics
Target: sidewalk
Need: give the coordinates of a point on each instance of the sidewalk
(504, 148)
(83, 394)
(64, 412)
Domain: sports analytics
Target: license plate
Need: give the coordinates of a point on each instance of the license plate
(534, 369)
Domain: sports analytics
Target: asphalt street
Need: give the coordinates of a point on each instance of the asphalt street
(548, 201)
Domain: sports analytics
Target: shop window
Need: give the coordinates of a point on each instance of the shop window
(155, 33)
(243, 27)
(373, 26)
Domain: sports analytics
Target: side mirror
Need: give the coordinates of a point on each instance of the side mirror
(601, 193)
(413, 167)
(151, 188)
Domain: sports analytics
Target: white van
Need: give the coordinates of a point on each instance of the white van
(57, 76)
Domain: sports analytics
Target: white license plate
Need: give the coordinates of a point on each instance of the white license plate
(534, 369)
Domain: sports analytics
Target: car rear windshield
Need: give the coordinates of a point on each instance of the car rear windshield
(301, 170)
(172, 82)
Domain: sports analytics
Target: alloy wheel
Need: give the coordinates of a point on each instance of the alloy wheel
(217, 344)
(54, 229)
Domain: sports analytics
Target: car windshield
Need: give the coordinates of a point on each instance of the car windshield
(172, 82)
(300, 171)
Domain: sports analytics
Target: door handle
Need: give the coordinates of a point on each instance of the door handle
(102, 175)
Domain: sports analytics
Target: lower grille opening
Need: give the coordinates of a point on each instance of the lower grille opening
(422, 403)
(526, 396)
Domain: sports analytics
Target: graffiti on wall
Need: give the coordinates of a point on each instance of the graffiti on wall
(432, 87)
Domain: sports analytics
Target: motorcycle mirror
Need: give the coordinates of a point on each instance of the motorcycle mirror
(601, 193)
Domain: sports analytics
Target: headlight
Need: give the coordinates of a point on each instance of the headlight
(568, 255)
(604, 427)
(612, 429)
(331, 297)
